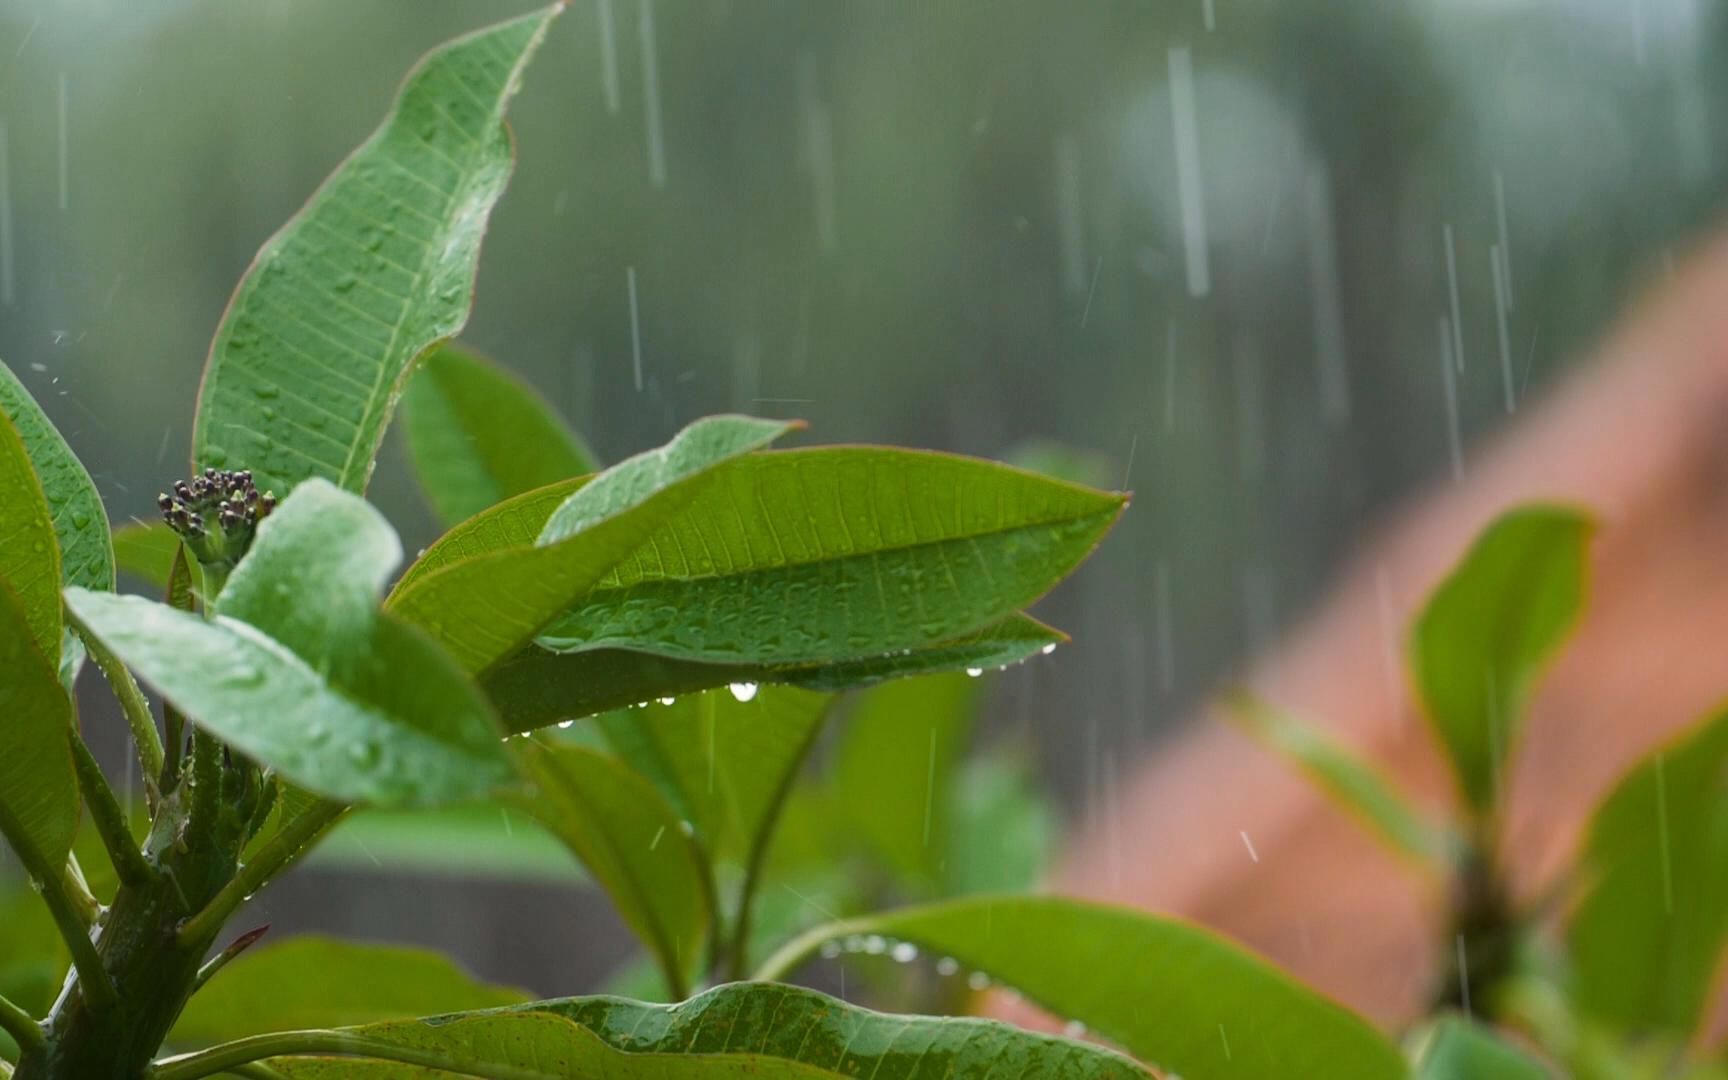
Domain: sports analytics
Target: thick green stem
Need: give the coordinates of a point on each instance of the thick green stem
(286, 846)
(23, 1028)
(132, 703)
(107, 816)
(327, 1043)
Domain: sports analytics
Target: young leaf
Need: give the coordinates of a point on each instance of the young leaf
(374, 270)
(631, 841)
(396, 724)
(1170, 993)
(535, 688)
(810, 556)
(319, 982)
(897, 753)
(478, 435)
(1490, 629)
(38, 788)
(1354, 785)
(80, 523)
(1461, 1050)
(485, 607)
(1648, 937)
(29, 552)
(146, 551)
(745, 1029)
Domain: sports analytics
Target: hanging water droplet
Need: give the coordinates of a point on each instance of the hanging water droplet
(947, 966)
(743, 691)
(974, 672)
(668, 700)
(830, 950)
(978, 981)
(1048, 649)
(875, 945)
(904, 952)
(566, 725)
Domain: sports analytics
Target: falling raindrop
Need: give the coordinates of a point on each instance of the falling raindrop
(608, 56)
(635, 328)
(1188, 178)
(651, 96)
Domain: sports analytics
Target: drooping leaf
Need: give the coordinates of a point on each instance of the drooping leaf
(1002, 829)
(401, 726)
(486, 607)
(378, 267)
(835, 553)
(38, 788)
(146, 551)
(756, 1030)
(80, 522)
(1490, 629)
(1648, 937)
(631, 841)
(893, 767)
(1170, 993)
(1353, 784)
(478, 435)
(29, 552)
(534, 688)
(319, 982)
(1460, 1050)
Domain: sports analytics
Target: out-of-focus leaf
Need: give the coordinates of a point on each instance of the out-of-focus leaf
(1064, 462)
(377, 268)
(1002, 828)
(893, 767)
(753, 1030)
(29, 552)
(1461, 1050)
(1353, 784)
(534, 688)
(80, 522)
(485, 607)
(838, 553)
(38, 788)
(1648, 937)
(469, 841)
(1489, 630)
(478, 435)
(319, 982)
(146, 551)
(1170, 993)
(633, 843)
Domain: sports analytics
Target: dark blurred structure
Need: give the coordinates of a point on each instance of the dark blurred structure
(1277, 261)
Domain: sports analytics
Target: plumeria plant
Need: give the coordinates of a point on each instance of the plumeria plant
(640, 659)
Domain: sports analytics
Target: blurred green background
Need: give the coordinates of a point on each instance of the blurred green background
(1218, 244)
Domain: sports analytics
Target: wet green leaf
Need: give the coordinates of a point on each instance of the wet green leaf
(319, 982)
(38, 789)
(514, 523)
(535, 688)
(1647, 939)
(377, 268)
(811, 556)
(29, 552)
(80, 522)
(1488, 632)
(146, 551)
(633, 843)
(1461, 1050)
(485, 607)
(478, 435)
(1170, 993)
(767, 1032)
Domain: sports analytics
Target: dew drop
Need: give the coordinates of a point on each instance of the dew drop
(743, 691)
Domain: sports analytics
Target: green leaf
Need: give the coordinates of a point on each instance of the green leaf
(1647, 939)
(38, 788)
(146, 551)
(376, 269)
(485, 607)
(478, 435)
(80, 523)
(319, 982)
(468, 841)
(1461, 1050)
(1002, 830)
(1488, 632)
(837, 553)
(396, 724)
(29, 552)
(535, 688)
(893, 767)
(513, 523)
(760, 1031)
(633, 843)
(1169, 993)
(1354, 785)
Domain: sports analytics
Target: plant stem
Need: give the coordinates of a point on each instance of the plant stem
(739, 962)
(339, 1043)
(289, 843)
(23, 1028)
(51, 882)
(132, 703)
(790, 956)
(108, 817)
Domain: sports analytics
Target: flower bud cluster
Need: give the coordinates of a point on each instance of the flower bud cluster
(216, 514)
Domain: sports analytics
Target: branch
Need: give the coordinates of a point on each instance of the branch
(108, 817)
(327, 1043)
(132, 702)
(292, 840)
(23, 1028)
